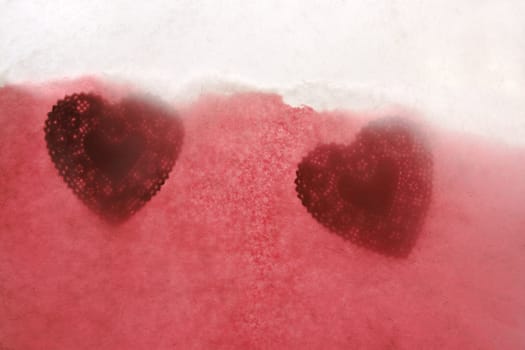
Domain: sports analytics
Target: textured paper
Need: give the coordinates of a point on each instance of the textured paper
(461, 63)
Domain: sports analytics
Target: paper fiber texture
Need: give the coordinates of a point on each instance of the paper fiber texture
(461, 63)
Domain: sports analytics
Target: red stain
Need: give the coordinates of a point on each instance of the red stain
(115, 158)
(226, 256)
(375, 191)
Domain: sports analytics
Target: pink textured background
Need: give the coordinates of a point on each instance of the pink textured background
(226, 257)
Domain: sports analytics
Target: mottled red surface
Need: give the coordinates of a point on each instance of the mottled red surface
(226, 256)
(375, 191)
(113, 157)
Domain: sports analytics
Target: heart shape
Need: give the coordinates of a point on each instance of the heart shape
(114, 157)
(374, 192)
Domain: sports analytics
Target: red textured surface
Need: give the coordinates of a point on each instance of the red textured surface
(225, 256)
(113, 157)
(376, 190)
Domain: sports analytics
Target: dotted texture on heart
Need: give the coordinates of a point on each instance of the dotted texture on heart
(374, 192)
(114, 157)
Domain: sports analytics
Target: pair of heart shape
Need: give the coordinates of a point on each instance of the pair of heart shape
(374, 192)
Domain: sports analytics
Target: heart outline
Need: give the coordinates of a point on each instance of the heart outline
(114, 198)
(393, 229)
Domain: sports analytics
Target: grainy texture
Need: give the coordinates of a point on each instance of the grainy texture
(113, 157)
(225, 256)
(375, 191)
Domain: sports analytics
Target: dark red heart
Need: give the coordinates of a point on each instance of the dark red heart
(114, 157)
(374, 192)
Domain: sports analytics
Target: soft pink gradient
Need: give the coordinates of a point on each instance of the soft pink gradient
(226, 257)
